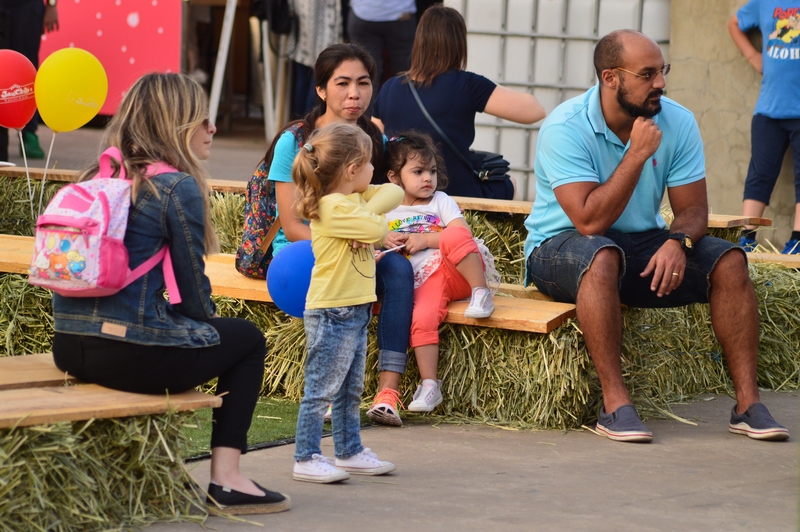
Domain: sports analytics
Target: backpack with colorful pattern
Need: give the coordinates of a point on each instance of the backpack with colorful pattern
(79, 248)
(261, 222)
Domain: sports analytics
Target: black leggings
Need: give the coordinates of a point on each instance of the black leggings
(238, 361)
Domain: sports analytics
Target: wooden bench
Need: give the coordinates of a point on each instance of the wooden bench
(532, 314)
(123, 451)
(715, 221)
(33, 392)
(790, 261)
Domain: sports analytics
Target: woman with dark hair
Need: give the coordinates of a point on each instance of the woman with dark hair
(451, 96)
(343, 77)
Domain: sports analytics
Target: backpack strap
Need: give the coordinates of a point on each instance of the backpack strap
(270, 236)
(169, 273)
(159, 168)
(106, 170)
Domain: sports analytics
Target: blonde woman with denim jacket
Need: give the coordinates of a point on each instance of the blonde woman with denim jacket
(135, 340)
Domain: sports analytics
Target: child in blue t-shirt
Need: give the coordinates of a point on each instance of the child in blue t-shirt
(776, 120)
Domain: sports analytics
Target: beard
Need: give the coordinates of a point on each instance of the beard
(645, 109)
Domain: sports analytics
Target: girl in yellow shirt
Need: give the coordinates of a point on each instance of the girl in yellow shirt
(332, 174)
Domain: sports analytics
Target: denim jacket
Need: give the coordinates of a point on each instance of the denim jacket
(140, 313)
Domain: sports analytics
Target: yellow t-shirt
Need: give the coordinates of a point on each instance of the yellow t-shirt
(343, 276)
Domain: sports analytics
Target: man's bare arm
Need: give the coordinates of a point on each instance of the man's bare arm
(593, 208)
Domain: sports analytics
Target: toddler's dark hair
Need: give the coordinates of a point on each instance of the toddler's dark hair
(400, 148)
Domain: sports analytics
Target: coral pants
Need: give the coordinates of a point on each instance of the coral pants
(442, 287)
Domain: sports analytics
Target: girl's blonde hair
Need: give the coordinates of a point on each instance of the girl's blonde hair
(155, 123)
(323, 161)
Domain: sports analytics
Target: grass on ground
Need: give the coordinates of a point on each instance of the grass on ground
(274, 420)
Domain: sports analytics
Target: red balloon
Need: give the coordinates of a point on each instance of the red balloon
(17, 103)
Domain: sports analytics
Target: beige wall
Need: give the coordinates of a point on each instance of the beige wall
(711, 77)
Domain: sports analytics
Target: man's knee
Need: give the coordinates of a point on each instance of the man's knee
(605, 267)
(730, 268)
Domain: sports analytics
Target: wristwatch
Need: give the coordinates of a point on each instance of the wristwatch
(686, 243)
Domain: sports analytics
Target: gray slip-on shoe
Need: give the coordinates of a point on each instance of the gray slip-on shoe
(756, 422)
(623, 425)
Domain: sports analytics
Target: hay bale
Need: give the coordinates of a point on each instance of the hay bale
(15, 199)
(111, 474)
(525, 379)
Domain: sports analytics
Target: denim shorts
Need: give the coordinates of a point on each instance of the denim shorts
(557, 266)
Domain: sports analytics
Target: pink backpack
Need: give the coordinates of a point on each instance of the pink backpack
(80, 250)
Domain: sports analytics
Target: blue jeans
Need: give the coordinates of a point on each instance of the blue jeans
(557, 266)
(336, 339)
(395, 288)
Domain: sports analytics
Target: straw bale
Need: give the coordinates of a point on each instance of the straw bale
(111, 474)
(492, 375)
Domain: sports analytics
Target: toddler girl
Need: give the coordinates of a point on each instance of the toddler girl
(332, 173)
(447, 262)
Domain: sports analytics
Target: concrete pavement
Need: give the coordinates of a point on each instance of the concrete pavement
(478, 478)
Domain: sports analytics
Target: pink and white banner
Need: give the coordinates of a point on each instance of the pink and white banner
(129, 37)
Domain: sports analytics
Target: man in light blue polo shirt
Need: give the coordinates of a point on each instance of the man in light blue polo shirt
(596, 236)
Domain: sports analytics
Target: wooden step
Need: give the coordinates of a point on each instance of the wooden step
(31, 371)
(37, 406)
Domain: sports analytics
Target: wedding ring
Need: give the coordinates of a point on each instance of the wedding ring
(676, 274)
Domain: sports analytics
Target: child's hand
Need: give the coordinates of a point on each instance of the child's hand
(417, 242)
(394, 239)
(357, 244)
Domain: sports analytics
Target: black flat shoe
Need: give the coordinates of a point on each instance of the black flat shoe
(223, 500)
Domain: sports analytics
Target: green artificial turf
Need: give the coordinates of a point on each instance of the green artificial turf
(273, 420)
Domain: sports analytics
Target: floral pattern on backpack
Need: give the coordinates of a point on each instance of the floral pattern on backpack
(260, 213)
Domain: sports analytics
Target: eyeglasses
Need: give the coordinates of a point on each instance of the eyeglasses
(649, 75)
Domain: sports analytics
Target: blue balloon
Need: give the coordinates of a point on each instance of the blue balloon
(65, 245)
(289, 275)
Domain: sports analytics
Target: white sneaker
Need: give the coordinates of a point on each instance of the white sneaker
(365, 463)
(481, 304)
(427, 397)
(318, 470)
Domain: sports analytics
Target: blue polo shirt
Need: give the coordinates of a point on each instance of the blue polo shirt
(575, 145)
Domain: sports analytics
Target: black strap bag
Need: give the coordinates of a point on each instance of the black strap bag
(485, 165)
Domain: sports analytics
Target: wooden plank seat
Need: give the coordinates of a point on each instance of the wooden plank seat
(25, 407)
(715, 221)
(32, 392)
(31, 371)
(790, 261)
(130, 438)
(514, 313)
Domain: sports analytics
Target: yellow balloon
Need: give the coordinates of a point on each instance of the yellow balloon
(70, 88)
